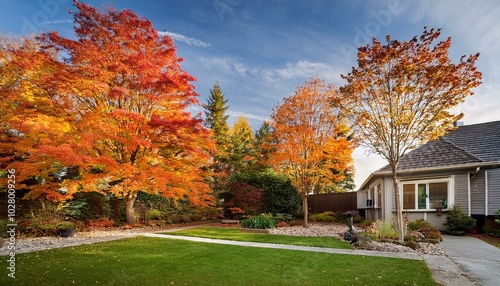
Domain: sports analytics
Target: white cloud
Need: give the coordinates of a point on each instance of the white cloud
(54, 22)
(227, 65)
(305, 69)
(185, 39)
(302, 69)
(365, 164)
(247, 115)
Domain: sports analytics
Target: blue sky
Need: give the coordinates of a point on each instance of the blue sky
(260, 51)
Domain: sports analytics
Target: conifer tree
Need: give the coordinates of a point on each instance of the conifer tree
(216, 120)
(263, 145)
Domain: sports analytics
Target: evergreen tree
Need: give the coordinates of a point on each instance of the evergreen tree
(216, 120)
(262, 147)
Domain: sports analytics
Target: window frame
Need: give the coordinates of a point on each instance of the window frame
(417, 183)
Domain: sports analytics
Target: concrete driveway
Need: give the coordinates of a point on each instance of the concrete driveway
(478, 260)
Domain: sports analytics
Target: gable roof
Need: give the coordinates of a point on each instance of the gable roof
(482, 140)
(478, 143)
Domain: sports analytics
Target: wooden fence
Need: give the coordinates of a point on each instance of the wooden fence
(341, 202)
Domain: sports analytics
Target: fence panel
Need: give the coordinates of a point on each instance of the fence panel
(332, 202)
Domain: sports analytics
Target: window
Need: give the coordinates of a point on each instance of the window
(425, 195)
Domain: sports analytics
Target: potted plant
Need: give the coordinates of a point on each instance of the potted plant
(66, 228)
(439, 206)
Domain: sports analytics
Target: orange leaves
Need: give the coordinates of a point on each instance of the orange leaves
(115, 108)
(401, 92)
(309, 136)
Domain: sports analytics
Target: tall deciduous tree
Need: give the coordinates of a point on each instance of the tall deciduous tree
(310, 138)
(241, 148)
(121, 97)
(401, 94)
(32, 112)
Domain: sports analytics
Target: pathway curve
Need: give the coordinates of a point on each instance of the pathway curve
(470, 261)
(444, 270)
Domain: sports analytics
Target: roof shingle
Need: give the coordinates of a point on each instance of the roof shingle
(468, 144)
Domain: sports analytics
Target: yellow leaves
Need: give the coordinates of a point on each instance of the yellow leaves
(401, 93)
(309, 135)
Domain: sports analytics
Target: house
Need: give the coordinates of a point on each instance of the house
(460, 168)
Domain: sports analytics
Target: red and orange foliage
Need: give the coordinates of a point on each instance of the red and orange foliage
(114, 106)
(402, 94)
(245, 197)
(310, 138)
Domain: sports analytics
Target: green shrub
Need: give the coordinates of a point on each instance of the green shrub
(386, 230)
(49, 229)
(457, 222)
(425, 228)
(283, 217)
(327, 216)
(88, 205)
(366, 222)
(36, 229)
(357, 219)
(3, 228)
(153, 214)
(65, 225)
(381, 230)
(278, 193)
(195, 217)
(259, 222)
(185, 218)
(166, 206)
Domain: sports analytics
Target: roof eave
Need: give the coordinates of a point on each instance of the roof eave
(422, 170)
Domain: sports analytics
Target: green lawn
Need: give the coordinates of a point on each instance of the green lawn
(236, 234)
(156, 261)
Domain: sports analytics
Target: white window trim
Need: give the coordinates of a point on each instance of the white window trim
(450, 198)
(372, 194)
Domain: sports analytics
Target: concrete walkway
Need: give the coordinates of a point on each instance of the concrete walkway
(470, 261)
(478, 260)
(290, 247)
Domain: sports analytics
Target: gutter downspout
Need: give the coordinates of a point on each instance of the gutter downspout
(486, 192)
(468, 195)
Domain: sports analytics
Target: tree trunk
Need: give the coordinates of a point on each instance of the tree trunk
(129, 207)
(306, 210)
(399, 209)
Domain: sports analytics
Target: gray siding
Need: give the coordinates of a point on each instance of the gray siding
(461, 191)
(493, 191)
(389, 198)
(477, 194)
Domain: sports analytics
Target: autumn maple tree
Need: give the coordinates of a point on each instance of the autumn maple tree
(116, 110)
(310, 138)
(401, 95)
(31, 112)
